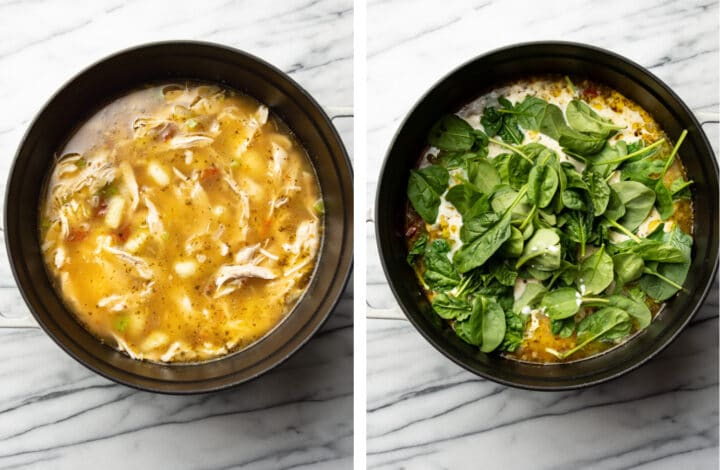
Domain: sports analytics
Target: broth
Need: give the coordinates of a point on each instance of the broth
(181, 222)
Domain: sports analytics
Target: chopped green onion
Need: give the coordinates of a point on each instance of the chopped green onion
(319, 207)
(120, 323)
(165, 236)
(191, 123)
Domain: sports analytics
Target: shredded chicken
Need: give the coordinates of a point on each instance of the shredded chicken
(246, 254)
(140, 265)
(131, 183)
(190, 140)
(237, 271)
(153, 219)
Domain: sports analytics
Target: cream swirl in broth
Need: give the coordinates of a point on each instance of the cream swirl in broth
(181, 222)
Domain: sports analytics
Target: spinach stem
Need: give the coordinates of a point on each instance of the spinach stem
(674, 151)
(528, 218)
(655, 144)
(577, 348)
(663, 278)
(510, 147)
(570, 85)
(627, 232)
(595, 300)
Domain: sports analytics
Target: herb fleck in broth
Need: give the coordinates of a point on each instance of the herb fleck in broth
(563, 205)
(181, 222)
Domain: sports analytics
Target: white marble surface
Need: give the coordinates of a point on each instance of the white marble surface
(426, 412)
(54, 413)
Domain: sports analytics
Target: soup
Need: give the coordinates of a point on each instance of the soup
(181, 222)
(549, 220)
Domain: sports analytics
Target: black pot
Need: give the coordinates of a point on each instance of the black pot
(78, 100)
(467, 83)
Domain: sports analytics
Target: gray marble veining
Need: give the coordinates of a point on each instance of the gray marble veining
(426, 412)
(54, 413)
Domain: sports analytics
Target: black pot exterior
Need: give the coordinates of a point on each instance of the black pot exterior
(78, 100)
(467, 83)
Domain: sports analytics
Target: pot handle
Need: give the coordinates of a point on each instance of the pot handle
(706, 117)
(392, 313)
(28, 321)
(339, 111)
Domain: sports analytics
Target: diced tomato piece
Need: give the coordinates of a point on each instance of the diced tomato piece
(76, 235)
(210, 174)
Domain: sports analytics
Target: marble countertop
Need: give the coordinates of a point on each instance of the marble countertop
(429, 413)
(54, 413)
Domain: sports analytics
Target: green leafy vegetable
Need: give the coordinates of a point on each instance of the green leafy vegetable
(418, 248)
(562, 303)
(543, 249)
(493, 325)
(440, 274)
(638, 200)
(542, 185)
(583, 119)
(596, 272)
(450, 307)
(452, 133)
(425, 188)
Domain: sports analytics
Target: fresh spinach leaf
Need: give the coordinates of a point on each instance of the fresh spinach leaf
(536, 114)
(572, 199)
(532, 294)
(609, 158)
(509, 131)
(478, 251)
(425, 187)
(582, 118)
(607, 324)
(680, 189)
(513, 247)
(615, 208)
(561, 303)
(482, 175)
(491, 120)
(440, 274)
(473, 227)
(638, 200)
(596, 272)
(579, 143)
(452, 133)
(493, 326)
(504, 274)
(578, 228)
(655, 282)
(514, 331)
(663, 200)
(598, 190)
(638, 310)
(518, 170)
(463, 197)
(645, 171)
(563, 328)
(450, 307)
(470, 329)
(628, 268)
(542, 184)
(543, 249)
(418, 248)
